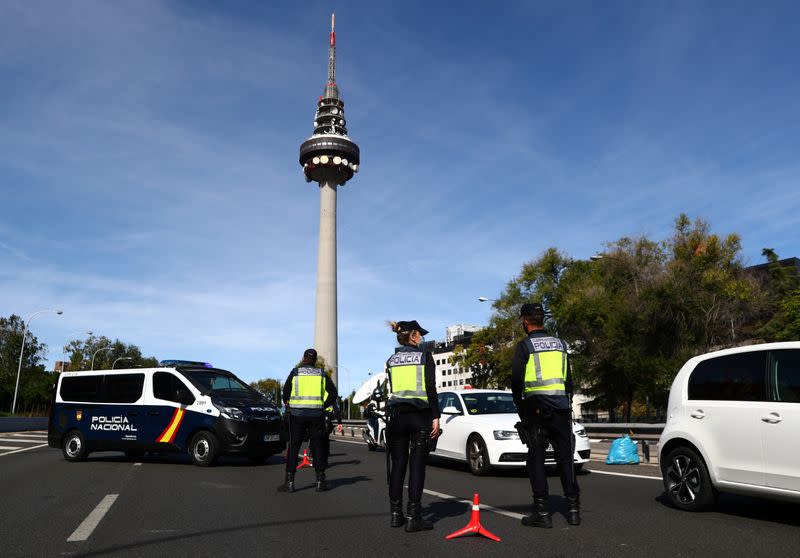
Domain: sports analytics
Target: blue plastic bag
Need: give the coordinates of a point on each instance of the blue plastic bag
(624, 451)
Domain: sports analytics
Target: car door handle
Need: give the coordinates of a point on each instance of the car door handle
(698, 414)
(153, 413)
(772, 418)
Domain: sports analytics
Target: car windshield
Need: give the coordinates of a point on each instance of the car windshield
(489, 403)
(208, 380)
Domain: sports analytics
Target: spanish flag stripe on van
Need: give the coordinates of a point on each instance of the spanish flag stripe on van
(169, 433)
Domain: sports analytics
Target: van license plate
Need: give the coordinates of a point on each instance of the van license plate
(272, 437)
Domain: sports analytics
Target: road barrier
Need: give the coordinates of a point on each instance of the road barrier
(22, 424)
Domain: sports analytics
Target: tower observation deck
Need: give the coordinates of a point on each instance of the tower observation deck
(330, 158)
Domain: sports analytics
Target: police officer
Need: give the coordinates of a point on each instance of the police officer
(306, 394)
(413, 408)
(540, 382)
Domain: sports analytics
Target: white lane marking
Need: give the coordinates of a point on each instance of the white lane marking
(349, 442)
(9, 447)
(486, 507)
(137, 464)
(23, 449)
(20, 439)
(89, 524)
(624, 475)
(31, 434)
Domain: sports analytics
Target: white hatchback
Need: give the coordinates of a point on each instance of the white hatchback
(733, 425)
(478, 428)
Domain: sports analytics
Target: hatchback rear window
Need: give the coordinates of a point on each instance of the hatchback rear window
(738, 377)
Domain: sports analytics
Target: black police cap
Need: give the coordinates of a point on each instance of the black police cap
(411, 326)
(531, 309)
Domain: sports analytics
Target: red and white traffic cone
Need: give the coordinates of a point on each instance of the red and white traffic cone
(474, 526)
(305, 462)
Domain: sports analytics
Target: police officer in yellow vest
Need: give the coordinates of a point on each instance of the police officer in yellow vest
(307, 392)
(413, 408)
(540, 382)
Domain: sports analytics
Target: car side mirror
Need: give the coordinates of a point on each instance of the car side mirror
(184, 396)
(450, 410)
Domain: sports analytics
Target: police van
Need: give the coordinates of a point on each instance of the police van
(180, 406)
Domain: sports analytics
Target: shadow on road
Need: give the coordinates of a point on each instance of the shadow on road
(143, 545)
(334, 483)
(775, 511)
(350, 462)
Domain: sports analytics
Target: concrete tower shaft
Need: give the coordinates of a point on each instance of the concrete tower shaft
(330, 158)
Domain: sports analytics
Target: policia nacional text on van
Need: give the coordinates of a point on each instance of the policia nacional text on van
(308, 391)
(413, 422)
(540, 382)
(181, 406)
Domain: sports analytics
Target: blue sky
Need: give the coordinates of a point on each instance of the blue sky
(150, 185)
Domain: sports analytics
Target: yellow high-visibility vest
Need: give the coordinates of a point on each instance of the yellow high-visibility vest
(308, 389)
(546, 370)
(407, 378)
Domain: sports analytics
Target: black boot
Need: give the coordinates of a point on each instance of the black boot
(415, 521)
(288, 485)
(398, 519)
(574, 510)
(322, 486)
(541, 514)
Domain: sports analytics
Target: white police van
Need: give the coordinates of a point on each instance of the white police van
(181, 406)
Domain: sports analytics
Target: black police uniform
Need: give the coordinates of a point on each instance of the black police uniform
(408, 437)
(313, 422)
(547, 418)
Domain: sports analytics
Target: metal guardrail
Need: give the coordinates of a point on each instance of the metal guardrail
(21, 424)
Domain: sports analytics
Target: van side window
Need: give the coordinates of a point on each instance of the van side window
(785, 376)
(166, 386)
(86, 389)
(124, 388)
(739, 377)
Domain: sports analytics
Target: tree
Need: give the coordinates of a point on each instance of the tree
(11, 329)
(781, 316)
(640, 310)
(270, 387)
(80, 354)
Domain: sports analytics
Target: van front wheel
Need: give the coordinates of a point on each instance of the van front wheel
(204, 449)
(74, 447)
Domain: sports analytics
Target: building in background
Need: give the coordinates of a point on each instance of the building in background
(449, 375)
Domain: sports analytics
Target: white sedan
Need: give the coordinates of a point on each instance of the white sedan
(478, 427)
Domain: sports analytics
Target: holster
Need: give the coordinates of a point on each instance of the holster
(524, 433)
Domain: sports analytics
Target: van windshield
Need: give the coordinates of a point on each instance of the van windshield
(209, 380)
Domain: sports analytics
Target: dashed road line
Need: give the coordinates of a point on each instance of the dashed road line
(89, 524)
(23, 449)
(631, 475)
(349, 441)
(487, 507)
(19, 439)
(9, 448)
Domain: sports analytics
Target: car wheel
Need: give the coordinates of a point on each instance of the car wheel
(204, 449)
(74, 447)
(687, 483)
(477, 456)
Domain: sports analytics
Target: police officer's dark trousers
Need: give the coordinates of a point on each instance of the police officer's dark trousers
(554, 426)
(316, 428)
(408, 438)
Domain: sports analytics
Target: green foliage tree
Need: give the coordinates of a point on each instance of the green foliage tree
(639, 309)
(80, 352)
(35, 387)
(781, 314)
(270, 387)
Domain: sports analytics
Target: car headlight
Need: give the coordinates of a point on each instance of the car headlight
(232, 413)
(582, 433)
(506, 435)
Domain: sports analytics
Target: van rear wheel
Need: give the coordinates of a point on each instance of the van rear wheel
(74, 447)
(204, 449)
(687, 483)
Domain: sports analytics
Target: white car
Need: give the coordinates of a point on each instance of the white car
(478, 427)
(733, 424)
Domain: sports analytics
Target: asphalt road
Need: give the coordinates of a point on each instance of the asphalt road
(108, 506)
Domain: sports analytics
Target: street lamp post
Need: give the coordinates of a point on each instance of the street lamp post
(97, 351)
(22, 351)
(64, 348)
(119, 359)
